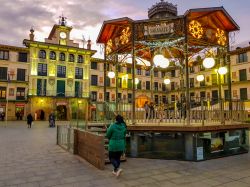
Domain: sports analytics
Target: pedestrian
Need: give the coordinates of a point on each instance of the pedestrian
(151, 110)
(52, 120)
(29, 120)
(116, 134)
(146, 108)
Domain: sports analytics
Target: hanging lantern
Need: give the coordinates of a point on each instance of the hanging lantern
(111, 74)
(160, 61)
(208, 62)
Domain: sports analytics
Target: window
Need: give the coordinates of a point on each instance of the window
(129, 83)
(202, 83)
(119, 96)
(78, 89)
(93, 65)
(107, 81)
(119, 69)
(155, 73)
(119, 82)
(2, 92)
(3, 73)
(93, 96)
(138, 71)
(191, 69)
(62, 56)
(138, 85)
(242, 58)
(61, 71)
(147, 85)
(172, 85)
(226, 94)
(20, 93)
(203, 95)
(202, 68)
(156, 99)
(22, 57)
(163, 74)
(52, 55)
(164, 99)
(147, 73)
(20, 75)
(173, 73)
(41, 87)
(243, 93)
(243, 74)
(164, 88)
(71, 58)
(172, 98)
(42, 69)
(42, 54)
(78, 73)
(129, 70)
(156, 86)
(129, 98)
(214, 79)
(80, 59)
(94, 80)
(4, 55)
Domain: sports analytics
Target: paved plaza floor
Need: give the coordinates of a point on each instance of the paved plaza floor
(30, 157)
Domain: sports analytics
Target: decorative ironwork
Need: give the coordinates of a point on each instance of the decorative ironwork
(109, 46)
(220, 35)
(195, 29)
(51, 81)
(70, 82)
(125, 37)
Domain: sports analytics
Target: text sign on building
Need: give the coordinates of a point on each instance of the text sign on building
(159, 29)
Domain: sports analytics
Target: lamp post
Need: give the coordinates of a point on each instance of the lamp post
(201, 78)
(77, 114)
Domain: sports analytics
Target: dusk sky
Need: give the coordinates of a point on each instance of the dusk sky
(87, 16)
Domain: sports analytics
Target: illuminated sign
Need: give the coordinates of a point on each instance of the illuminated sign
(159, 29)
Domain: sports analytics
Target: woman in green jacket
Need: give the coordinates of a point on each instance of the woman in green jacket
(116, 134)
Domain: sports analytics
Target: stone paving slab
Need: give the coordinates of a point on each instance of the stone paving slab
(31, 158)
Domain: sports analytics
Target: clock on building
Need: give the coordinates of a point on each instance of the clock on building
(63, 35)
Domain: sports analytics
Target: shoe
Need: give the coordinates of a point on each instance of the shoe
(118, 173)
(114, 173)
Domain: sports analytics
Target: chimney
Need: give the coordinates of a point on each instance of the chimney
(32, 34)
(89, 44)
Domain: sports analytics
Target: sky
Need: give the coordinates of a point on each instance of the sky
(86, 16)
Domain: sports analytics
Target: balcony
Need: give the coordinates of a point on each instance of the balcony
(54, 93)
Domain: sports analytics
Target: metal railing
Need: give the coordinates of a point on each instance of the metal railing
(53, 93)
(202, 112)
(65, 137)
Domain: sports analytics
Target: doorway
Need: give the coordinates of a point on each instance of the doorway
(61, 112)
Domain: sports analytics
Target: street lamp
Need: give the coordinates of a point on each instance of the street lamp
(222, 70)
(77, 122)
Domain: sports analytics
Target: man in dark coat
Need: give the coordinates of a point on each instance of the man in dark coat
(29, 120)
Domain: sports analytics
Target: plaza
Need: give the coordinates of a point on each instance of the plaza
(31, 158)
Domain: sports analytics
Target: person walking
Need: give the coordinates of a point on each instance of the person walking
(116, 134)
(52, 120)
(29, 120)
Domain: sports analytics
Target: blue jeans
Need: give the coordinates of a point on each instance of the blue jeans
(114, 158)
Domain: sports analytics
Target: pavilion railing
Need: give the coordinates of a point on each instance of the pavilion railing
(202, 112)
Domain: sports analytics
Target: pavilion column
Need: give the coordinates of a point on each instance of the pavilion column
(133, 73)
(105, 81)
(186, 72)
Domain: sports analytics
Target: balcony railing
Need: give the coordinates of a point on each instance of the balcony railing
(54, 93)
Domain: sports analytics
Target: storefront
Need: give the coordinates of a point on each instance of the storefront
(19, 111)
